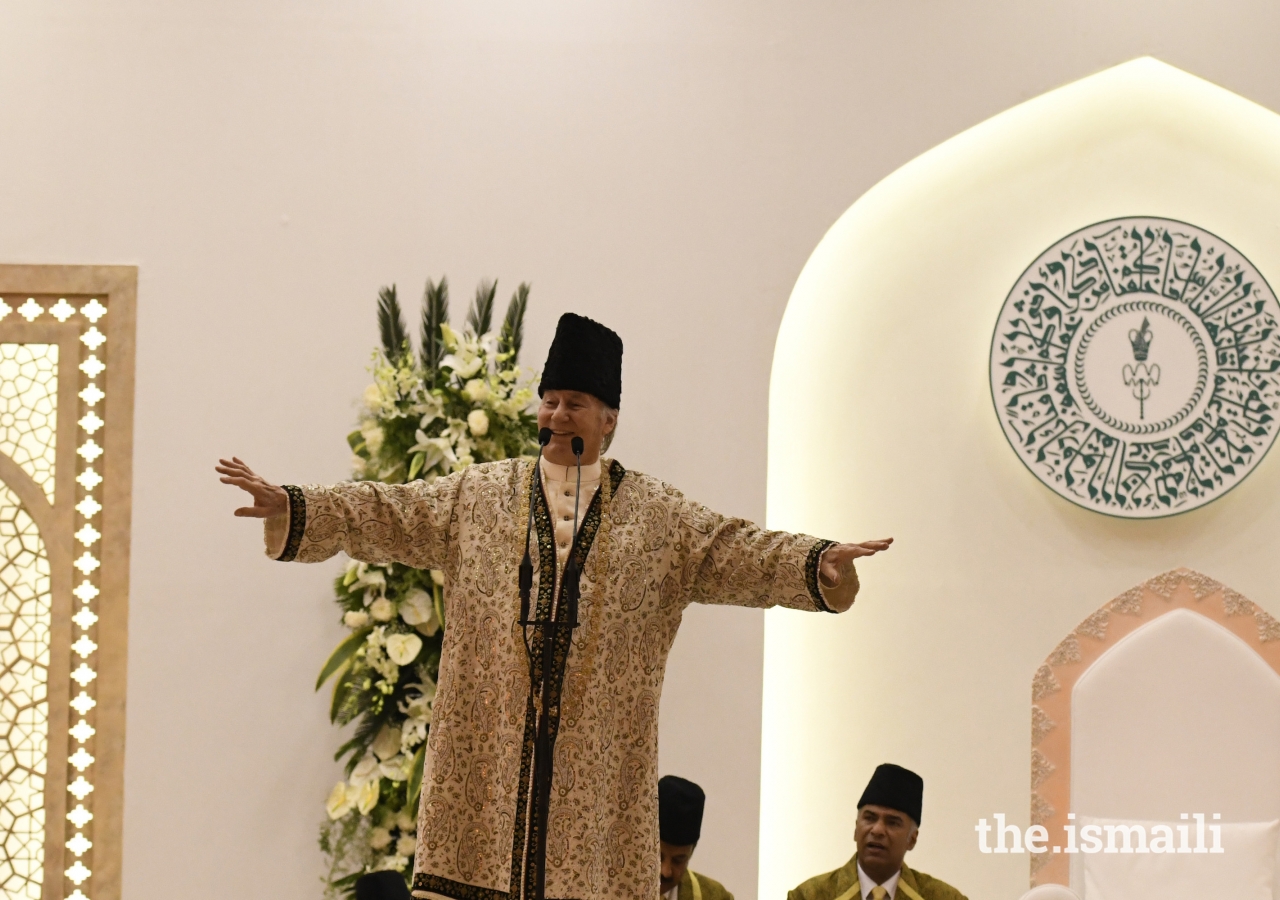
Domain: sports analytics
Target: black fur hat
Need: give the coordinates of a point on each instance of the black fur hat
(896, 788)
(584, 356)
(680, 805)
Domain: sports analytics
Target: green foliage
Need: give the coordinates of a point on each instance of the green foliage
(395, 339)
(480, 316)
(460, 400)
(435, 312)
(511, 337)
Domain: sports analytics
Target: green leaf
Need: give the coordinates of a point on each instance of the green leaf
(342, 653)
(480, 318)
(415, 465)
(435, 312)
(342, 689)
(437, 600)
(512, 336)
(415, 778)
(355, 439)
(395, 338)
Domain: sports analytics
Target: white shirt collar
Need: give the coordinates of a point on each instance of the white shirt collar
(553, 472)
(890, 886)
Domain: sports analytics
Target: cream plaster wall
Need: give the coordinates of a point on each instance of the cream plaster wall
(896, 308)
(667, 166)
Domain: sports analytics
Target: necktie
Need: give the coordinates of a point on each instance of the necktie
(879, 893)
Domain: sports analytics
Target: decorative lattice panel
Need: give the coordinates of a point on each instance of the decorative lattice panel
(65, 423)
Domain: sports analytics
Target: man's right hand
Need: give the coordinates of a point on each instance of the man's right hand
(268, 499)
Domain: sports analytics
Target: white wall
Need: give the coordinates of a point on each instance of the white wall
(665, 166)
(992, 569)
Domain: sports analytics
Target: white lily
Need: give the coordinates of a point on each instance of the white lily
(339, 802)
(369, 794)
(397, 767)
(365, 769)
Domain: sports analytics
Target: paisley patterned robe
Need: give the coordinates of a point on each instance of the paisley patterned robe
(645, 553)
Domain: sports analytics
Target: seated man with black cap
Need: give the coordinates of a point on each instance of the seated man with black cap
(887, 827)
(680, 805)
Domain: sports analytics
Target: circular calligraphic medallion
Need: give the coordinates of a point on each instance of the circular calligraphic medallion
(1135, 367)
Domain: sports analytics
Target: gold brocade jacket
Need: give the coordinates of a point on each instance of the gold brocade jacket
(843, 884)
(700, 887)
(645, 553)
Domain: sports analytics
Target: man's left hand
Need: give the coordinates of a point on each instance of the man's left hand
(836, 568)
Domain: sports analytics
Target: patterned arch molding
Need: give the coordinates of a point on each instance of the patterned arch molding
(1051, 688)
(66, 418)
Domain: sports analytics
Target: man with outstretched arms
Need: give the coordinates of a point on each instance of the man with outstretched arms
(541, 768)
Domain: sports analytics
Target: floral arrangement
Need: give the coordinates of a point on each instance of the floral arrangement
(461, 399)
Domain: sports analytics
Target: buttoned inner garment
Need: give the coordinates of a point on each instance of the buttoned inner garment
(561, 486)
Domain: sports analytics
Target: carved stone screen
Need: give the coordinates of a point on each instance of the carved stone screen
(66, 410)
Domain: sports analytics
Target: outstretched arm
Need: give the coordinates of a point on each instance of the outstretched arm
(836, 574)
(268, 499)
(371, 522)
(733, 561)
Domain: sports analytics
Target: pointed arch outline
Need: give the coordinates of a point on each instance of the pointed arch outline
(1054, 681)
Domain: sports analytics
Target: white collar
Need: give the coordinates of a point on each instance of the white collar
(553, 472)
(890, 886)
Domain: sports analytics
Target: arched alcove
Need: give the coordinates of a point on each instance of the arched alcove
(1164, 701)
(881, 423)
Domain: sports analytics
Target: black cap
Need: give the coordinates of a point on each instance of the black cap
(382, 886)
(895, 788)
(584, 356)
(680, 805)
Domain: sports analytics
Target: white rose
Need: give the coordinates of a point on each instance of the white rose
(382, 609)
(339, 802)
(404, 821)
(356, 619)
(477, 390)
(387, 743)
(403, 648)
(368, 798)
(417, 607)
(373, 437)
(379, 839)
(406, 845)
(478, 422)
(372, 396)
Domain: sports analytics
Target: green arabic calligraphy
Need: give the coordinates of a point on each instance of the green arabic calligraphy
(1194, 275)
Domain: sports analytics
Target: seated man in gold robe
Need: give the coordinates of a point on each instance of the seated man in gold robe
(680, 805)
(888, 825)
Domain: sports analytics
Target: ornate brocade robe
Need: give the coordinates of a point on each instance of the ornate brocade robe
(844, 884)
(645, 552)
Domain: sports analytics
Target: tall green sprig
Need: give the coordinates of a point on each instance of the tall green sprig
(480, 316)
(395, 337)
(511, 338)
(435, 312)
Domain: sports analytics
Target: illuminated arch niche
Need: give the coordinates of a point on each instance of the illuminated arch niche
(881, 421)
(66, 410)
